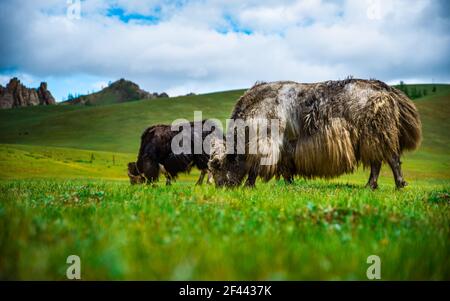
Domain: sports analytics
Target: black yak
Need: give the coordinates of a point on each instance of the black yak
(156, 155)
(325, 129)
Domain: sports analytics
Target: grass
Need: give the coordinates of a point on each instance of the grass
(30, 161)
(64, 191)
(311, 230)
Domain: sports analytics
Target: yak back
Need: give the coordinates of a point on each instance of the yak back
(156, 148)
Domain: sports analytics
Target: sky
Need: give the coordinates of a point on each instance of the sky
(204, 46)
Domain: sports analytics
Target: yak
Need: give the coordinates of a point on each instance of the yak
(326, 129)
(156, 155)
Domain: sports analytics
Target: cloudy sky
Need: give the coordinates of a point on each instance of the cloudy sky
(203, 46)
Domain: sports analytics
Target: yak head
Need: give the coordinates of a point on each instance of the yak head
(227, 169)
(135, 176)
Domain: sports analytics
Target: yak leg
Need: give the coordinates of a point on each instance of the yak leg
(395, 164)
(374, 173)
(210, 178)
(168, 179)
(202, 176)
(288, 170)
(288, 177)
(251, 179)
(150, 170)
(166, 174)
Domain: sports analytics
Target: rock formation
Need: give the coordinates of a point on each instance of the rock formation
(117, 92)
(15, 94)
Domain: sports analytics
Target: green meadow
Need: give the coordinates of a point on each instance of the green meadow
(64, 190)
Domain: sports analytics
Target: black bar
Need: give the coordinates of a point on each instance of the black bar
(223, 289)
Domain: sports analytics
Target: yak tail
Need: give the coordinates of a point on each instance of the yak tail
(410, 134)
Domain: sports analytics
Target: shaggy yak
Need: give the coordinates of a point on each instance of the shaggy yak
(326, 129)
(156, 155)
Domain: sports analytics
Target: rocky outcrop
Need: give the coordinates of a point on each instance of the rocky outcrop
(15, 94)
(117, 92)
(45, 97)
(161, 95)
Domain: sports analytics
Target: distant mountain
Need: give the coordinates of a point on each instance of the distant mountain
(15, 94)
(117, 92)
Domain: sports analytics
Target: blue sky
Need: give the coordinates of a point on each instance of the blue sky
(202, 46)
(151, 18)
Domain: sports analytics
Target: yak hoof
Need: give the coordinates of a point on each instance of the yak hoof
(401, 184)
(372, 186)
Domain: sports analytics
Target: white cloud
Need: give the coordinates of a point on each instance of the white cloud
(309, 40)
(280, 16)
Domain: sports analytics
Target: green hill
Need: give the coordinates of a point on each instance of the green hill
(117, 92)
(79, 132)
(115, 127)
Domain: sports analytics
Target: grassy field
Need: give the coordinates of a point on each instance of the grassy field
(64, 191)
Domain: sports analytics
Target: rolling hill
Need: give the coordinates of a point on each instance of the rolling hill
(115, 127)
(117, 92)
